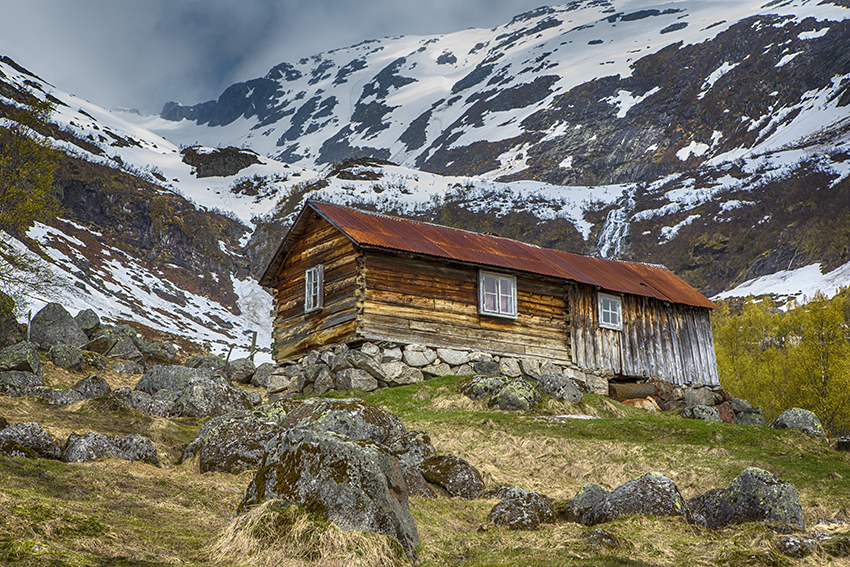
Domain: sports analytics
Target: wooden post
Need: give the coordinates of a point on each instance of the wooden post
(253, 346)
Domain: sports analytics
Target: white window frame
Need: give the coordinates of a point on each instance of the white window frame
(497, 309)
(608, 305)
(314, 288)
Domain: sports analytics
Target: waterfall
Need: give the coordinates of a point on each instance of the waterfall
(614, 236)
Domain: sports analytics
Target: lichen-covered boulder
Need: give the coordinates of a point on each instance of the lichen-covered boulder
(28, 440)
(92, 446)
(754, 496)
(517, 394)
(704, 413)
(455, 475)
(88, 321)
(236, 441)
(559, 387)
(117, 341)
(411, 449)
(53, 325)
(22, 356)
(586, 498)
(240, 370)
(522, 509)
(126, 400)
(652, 494)
(352, 418)
(206, 362)
(210, 397)
(17, 383)
(167, 377)
(745, 413)
(155, 352)
(797, 418)
(480, 386)
(357, 485)
(56, 396)
(69, 357)
(92, 387)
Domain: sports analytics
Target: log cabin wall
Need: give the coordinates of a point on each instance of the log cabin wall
(417, 299)
(669, 341)
(294, 331)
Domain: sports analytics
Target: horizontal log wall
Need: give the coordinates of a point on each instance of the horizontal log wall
(669, 341)
(413, 299)
(296, 332)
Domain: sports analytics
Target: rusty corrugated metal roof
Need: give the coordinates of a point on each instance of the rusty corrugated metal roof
(383, 231)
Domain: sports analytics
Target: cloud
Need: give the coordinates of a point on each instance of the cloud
(143, 54)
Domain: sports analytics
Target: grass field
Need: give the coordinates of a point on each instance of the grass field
(113, 512)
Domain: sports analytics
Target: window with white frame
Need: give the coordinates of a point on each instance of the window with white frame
(314, 280)
(610, 312)
(497, 295)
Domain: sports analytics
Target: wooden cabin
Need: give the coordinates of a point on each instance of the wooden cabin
(342, 275)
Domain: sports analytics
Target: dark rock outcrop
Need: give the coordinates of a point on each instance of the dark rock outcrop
(454, 475)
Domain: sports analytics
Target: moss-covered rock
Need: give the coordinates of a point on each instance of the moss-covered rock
(652, 494)
(92, 446)
(17, 383)
(22, 356)
(559, 387)
(754, 496)
(53, 325)
(586, 498)
(517, 394)
(704, 413)
(522, 509)
(209, 397)
(480, 386)
(352, 418)
(92, 387)
(69, 357)
(455, 475)
(358, 485)
(797, 418)
(166, 377)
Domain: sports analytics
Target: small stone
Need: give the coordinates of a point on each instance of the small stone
(453, 357)
(510, 367)
(355, 379)
(370, 350)
(435, 370)
(418, 356)
(463, 370)
(261, 375)
(324, 382)
(391, 355)
(399, 374)
(530, 367)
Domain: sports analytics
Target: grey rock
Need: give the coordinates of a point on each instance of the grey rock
(745, 413)
(92, 387)
(356, 485)
(480, 385)
(92, 446)
(392, 354)
(705, 413)
(486, 367)
(255, 398)
(510, 367)
(522, 509)
(324, 382)
(371, 350)
(588, 496)
(137, 448)
(57, 396)
(797, 546)
(453, 357)
(412, 448)
(155, 352)
(455, 475)
(240, 370)
(559, 387)
(797, 418)
(88, 321)
(352, 418)
(210, 397)
(17, 383)
(206, 362)
(530, 367)
(463, 370)
(124, 400)
(399, 374)
(28, 440)
(354, 378)
(418, 356)
(261, 375)
(699, 396)
(9, 331)
(284, 385)
(117, 341)
(435, 370)
(68, 357)
(754, 496)
(360, 361)
(128, 367)
(53, 325)
(516, 394)
(653, 494)
(168, 377)
(21, 356)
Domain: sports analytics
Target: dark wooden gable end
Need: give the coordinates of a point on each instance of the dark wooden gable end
(387, 278)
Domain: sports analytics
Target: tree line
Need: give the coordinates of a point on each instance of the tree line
(795, 357)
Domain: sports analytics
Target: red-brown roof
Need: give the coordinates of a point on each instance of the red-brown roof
(383, 231)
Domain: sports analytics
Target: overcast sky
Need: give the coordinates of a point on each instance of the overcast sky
(143, 53)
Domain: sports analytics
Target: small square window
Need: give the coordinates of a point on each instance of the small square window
(610, 312)
(498, 295)
(314, 288)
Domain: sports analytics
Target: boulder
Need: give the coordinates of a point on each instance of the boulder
(700, 396)
(285, 385)
(137, 448)
(53, 325)
(92, 446)
(352, 418)
(371, 350)
(152, 351)
(261, 375)
(209, 397)
(17, 383)
(92, 387)
(575, 509)
(745, 413)
(128, 367)
(436, 369)
(530, 367)
(206, 362)
(705, 413)
(480, 386)
(360, 361)
(28, 440)
(510, 367)
(116, 342)
(797, 418)
(68, 357)
(517, 394)
(236, 441)
(355, 379)
(126, 400)
(88, 321)
(324, 382)
(652, 494)
(358, 485)
(418, 355)
(9, 331)
(452, 357)
(412, 448)
(391, 354)
(399, 374)
(727, 415)
(522, 509)
(56, 396)
(21, 356)
(754, 496)
(455, 475)
(486, 367)
(167, 377)
(240, 370)
(559, 387)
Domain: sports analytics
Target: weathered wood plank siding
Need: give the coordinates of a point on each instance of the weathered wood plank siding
(295, 331)
(670, 341)
(421, 300)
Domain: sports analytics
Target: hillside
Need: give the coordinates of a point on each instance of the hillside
(114, 512)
